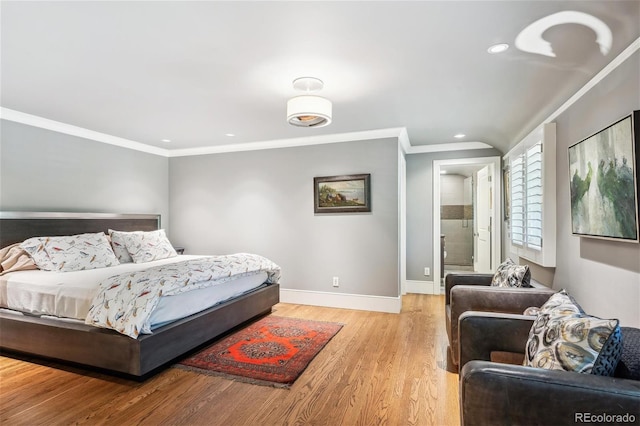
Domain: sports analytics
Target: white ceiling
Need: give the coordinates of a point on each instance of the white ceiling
(192, 72)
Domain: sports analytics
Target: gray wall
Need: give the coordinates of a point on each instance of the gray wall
(420, 207)
(603, 276)
(262, 202)
(42, 170)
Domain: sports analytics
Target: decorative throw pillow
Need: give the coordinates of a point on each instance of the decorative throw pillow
(118, 245)
(508, 274)
(561, 303)
(71, 253)
(148, 246)
(563, 337)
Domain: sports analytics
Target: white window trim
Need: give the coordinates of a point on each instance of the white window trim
(545, 134)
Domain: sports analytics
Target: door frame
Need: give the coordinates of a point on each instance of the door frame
(496, 234)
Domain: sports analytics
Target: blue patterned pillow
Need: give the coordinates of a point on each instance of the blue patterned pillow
(609, 355)
(563, 337)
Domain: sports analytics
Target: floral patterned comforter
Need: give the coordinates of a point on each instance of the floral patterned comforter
(125, 302)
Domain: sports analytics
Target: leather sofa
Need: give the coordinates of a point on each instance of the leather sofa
(473, 292)
(494, 393)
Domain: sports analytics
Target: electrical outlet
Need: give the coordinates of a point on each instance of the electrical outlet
(336, 281)
(427, 271)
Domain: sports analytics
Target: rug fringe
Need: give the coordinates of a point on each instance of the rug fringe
(232, 377)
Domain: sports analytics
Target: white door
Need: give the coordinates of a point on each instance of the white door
(482, 261)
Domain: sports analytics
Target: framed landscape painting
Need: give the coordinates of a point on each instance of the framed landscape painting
(342, 194)
(603, 181)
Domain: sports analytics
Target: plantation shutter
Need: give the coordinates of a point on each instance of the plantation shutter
(517, 200)
(534, 197)
(526, 198)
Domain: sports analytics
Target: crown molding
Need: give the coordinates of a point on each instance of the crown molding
(403, 140)
(69, 129)
(56, 126)
(293, 142)
(441, 147)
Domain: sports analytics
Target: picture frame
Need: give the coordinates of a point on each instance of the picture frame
(603, 182)
(342, 194)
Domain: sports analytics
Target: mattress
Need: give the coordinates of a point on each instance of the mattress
(69, 294)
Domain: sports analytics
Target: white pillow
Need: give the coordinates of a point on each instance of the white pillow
(148, 246)
(35, 248)
(119, 248)
(71, 253)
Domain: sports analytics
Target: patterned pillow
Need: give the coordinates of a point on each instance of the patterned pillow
(118, 245)
(71, 253)
(35, 248)
(563, 337)
(561, 303)
(148, 246)
(508, 274)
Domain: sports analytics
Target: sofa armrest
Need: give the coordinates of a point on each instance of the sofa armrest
(513, 300)
(493, 393)
(464, 279)
(490, 299)
(481, 333)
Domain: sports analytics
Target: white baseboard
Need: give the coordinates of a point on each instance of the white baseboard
(422, 287)
(359, 302)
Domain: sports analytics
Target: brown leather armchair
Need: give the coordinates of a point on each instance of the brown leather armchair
(494, 393)
(473, 292)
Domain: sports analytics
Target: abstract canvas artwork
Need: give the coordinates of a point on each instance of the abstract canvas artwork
(604, 184)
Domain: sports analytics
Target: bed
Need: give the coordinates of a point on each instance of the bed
(76, 342)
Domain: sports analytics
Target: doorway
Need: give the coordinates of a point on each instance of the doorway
(467, 206)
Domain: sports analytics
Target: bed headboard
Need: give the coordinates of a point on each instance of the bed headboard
(16, 227)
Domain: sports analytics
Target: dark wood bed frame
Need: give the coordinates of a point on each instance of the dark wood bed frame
(103, 348)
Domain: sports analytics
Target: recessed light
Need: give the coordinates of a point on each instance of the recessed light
(498, 48)
(459, 136)
(166, 140)
(230, 134)
(443, 172)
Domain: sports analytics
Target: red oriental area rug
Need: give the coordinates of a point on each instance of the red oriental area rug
(272, 351)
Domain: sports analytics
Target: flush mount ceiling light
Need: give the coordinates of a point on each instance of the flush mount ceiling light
(308, 110)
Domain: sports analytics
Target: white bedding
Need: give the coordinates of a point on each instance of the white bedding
(69, 294)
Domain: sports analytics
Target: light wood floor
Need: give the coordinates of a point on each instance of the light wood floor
(380, 369)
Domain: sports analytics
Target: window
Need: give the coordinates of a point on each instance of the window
(532, 190)
(526, 192)
(517, 201)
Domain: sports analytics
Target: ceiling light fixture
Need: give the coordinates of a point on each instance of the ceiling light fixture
(166, 140)
(308, 110)
(498, 48)
(459, 136)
